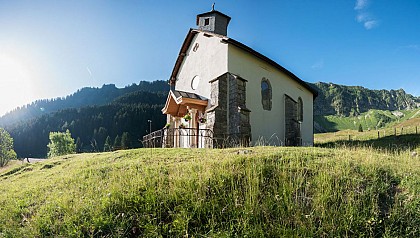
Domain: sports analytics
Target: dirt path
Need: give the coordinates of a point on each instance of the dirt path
(32, 160)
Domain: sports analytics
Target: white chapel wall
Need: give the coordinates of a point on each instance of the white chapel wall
(208, 61)
(270, 125)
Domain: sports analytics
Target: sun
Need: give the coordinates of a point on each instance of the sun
(16, 87)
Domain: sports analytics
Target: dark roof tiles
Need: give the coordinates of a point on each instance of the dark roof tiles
(179, 94)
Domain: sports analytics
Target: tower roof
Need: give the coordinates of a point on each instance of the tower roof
(212, 12)
(213, 21)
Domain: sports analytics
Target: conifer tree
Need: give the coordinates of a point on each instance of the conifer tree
(117, 142)
(79, 145)
(107, 145)
(125, 141)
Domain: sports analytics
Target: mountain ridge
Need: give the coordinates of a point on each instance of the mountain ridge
(341, 100)
(87, 96)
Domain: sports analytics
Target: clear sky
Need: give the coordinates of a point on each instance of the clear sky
(52, 48)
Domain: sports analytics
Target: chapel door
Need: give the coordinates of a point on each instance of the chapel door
(292, 133)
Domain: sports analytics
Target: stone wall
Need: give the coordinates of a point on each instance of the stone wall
(228, 116)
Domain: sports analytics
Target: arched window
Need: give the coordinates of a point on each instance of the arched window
(300, 109)
(266, 94)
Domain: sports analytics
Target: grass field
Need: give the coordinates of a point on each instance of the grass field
(339, 191)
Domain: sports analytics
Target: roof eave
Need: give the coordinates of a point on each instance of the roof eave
(271, 62)
(181, 55)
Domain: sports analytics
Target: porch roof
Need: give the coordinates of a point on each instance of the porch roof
(178, 102)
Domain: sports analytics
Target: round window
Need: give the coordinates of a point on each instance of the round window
(194, 82)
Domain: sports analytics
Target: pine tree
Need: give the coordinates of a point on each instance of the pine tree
(107, 145)
(360, 128)
(125, 141)
(117, 143)
(79, 145)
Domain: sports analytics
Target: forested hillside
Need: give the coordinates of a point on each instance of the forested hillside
(91, 125)
(84, 97)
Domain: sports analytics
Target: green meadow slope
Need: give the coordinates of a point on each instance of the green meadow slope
(254, 192)
(371, 120)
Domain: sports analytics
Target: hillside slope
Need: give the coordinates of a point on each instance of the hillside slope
(370, 120)
(258, 192)
(340, 100)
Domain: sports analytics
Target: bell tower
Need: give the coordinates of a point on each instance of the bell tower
(213, 21)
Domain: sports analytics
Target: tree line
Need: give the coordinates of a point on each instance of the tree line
(117, 125)
(82, 98)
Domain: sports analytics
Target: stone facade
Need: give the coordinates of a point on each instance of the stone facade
(228, 116)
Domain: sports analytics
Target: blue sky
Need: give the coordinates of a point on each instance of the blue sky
(52, 48)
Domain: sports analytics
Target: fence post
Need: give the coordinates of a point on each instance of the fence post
(378, 134)
(402, 130)
(349, 138)
(416, 130)
(395, 131)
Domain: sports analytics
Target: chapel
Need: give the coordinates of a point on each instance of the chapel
(225, 94)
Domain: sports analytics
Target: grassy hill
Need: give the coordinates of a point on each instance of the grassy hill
(373, 119)
(254, 192)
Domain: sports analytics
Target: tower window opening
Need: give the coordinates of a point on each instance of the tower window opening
(207, 21)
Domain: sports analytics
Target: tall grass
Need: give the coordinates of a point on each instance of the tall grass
(266, 192)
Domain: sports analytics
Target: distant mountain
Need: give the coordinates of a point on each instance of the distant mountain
(334, 99)
(82, 98)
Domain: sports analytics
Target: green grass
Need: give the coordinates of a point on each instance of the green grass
(373, 119)
(268, 192)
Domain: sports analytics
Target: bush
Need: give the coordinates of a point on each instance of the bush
(61, 143)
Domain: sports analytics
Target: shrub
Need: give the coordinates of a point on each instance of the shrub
(6, 148)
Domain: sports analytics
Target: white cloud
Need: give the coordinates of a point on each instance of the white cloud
(361, 4)
(370, 24)
(413, 47)
(318, 65)
(363, 16)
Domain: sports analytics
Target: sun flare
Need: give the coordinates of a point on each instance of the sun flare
(15, 82)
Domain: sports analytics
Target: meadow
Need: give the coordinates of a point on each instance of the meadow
(339, 188)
